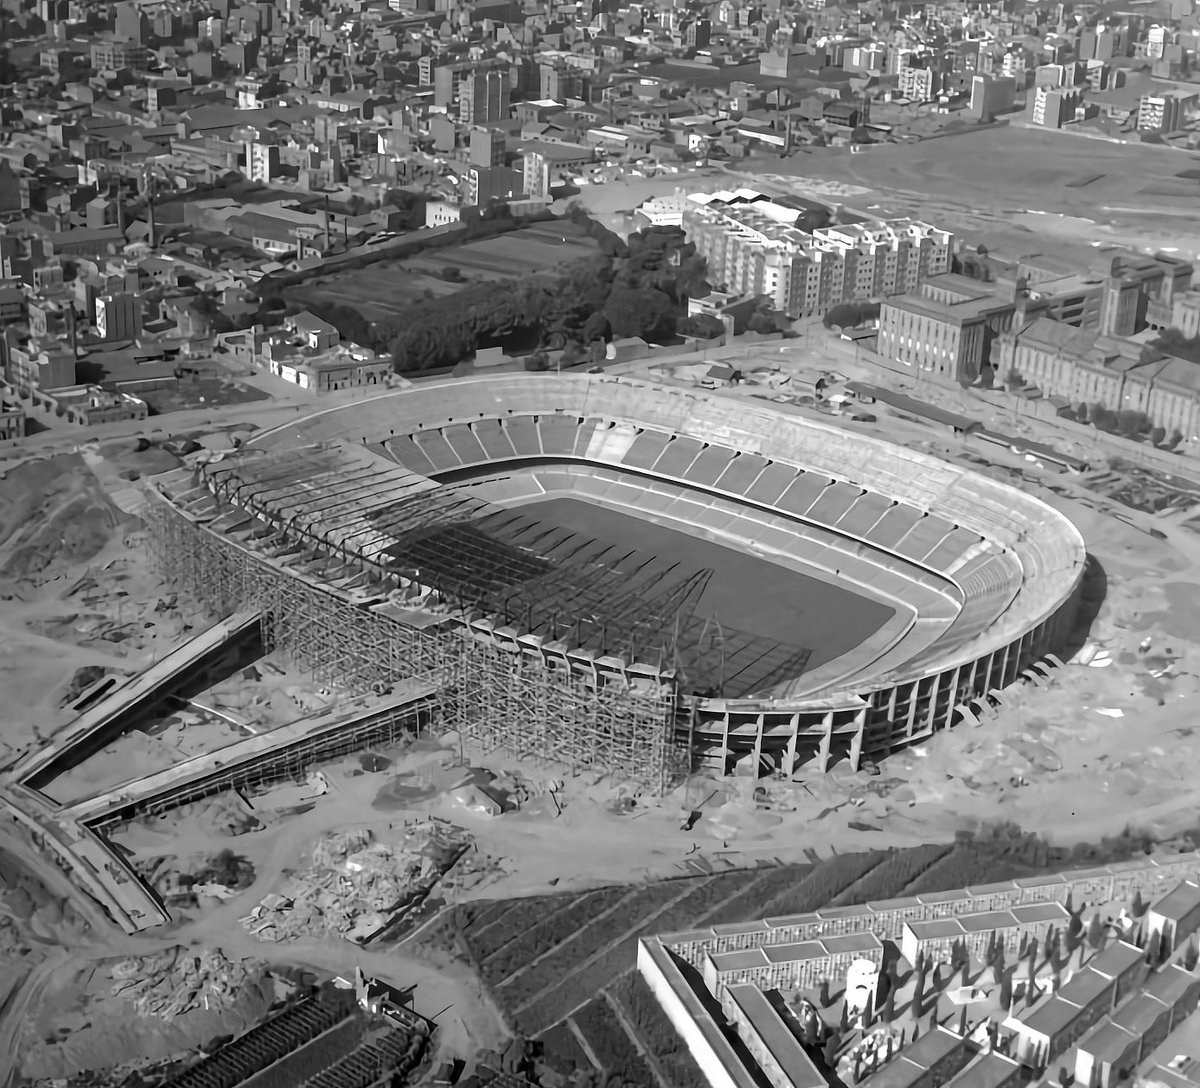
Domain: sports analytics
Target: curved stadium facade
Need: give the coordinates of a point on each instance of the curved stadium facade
(394, 539)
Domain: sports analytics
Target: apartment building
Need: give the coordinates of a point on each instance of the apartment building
(483, 97)
(753, 247)
(1052, 107)
(1164, 111)
(919, 84)
(109, 55)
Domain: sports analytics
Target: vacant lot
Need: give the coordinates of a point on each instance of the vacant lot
(987, 183)
(384, 289)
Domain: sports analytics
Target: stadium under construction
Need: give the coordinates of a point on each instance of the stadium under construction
(392, 550)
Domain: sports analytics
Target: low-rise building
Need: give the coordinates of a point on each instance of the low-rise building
(1175, 917)
(12, 419)
(769, 1039)
(88, 405)
(792, 966)
(935, 1058)
(937, 938)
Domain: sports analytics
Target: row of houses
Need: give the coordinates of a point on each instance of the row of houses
(1150, 878)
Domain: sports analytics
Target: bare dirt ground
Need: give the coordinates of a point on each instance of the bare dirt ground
(1102, 746)
(1018, 190)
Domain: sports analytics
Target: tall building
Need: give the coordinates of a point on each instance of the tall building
(486, 147)
(560, 82)
(483, 97)
(753, 247)
(483, 184)
(1052, 107)
(118, 316)
(536, 175)
(262, 157)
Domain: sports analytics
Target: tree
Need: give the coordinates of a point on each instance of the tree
(918, 999)
(1006, 991)
(888, 1013)
(1192, 956)
(1095, 932)
(1013, 381)
(1158, 435)
(1103, 417)
(823, 998)
(1175, 439)
(635, 312)
(1138, 907)
(829, 1052)
(845, 315)
(701, 326)
(1081, 412)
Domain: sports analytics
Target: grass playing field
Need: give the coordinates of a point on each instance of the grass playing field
(746, 592)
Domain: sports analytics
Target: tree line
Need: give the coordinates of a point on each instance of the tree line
(634, 288)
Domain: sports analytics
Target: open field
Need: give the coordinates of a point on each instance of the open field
(746, 593)
(385, 288)
(988, 183)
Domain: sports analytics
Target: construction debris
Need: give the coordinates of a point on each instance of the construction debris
(177, 980)
(357, 885)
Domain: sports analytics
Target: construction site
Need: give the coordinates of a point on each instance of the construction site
(368, 576)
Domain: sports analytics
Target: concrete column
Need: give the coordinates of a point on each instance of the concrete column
(826, 742)
(789, 754)
(856, 743)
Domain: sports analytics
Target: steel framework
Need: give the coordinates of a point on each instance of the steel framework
(498, 687)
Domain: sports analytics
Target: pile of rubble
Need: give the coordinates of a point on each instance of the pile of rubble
(177, 980)
(356, 885)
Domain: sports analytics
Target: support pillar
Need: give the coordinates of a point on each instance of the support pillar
(826, 742)
(856, 742)
(789, 753)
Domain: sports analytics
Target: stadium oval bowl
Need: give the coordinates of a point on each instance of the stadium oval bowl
(984, 579)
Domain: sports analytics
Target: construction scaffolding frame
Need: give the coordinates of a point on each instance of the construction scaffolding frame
(499, 687)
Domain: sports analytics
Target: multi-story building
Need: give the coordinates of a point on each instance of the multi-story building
(1086, 366)
(118, 316)
(1052, 107)
(919, 84)
(110, 54)
(558, 82)
(535, 171)
(33, 366)
(1163, 111)
(483, 184)
(945, 328)
(753, 247)
(483, 97)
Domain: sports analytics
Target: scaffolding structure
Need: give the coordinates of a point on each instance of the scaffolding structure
(335, 613)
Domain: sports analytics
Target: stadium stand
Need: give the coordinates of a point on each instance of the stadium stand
(995, 572)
